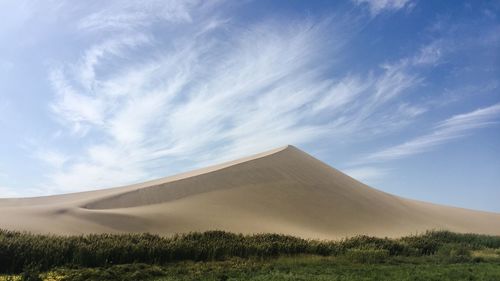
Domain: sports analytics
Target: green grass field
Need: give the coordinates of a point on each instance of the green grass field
(287, 268)
(224, 256)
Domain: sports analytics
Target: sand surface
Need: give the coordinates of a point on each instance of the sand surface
(280, 191)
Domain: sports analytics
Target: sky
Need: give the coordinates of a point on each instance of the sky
(403, 95)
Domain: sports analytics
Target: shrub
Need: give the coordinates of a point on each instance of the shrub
(454, 253)
(31, 273)
(19, 250)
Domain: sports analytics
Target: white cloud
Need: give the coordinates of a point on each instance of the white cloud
(78, 110)
(411, 110)
(476, 119)
(150, 113)
(78, 104)
(455, 127)
(377, 6)
(366, 174)
(431, 54)
(343, 93)
(119, 15)
(112, 47)
(395, 81)
(216, 88)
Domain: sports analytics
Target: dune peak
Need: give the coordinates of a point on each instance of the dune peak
(284, 190)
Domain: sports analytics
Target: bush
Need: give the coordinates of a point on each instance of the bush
(31, 273)
(19, 250)
(454, 253)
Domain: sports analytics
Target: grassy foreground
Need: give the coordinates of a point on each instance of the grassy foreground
(224, 256)
(283, 268)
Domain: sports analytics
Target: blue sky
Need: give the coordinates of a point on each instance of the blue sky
(402, 94)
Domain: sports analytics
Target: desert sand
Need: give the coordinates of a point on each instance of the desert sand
(280, 191)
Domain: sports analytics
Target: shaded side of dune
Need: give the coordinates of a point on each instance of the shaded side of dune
(283, 191)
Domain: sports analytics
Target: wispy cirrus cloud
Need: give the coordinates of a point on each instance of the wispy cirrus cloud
(119, 15)
(218, 88)
(367, 174)
(377, 6)
(114, 47)
(450, 129)
(78, 103)
(429, 54)
(126, 91)
(204, 90)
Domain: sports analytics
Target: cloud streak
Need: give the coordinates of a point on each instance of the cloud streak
(378, 6)
(450, 129)
(117, 15)
(218, 93)
(367, 174)
(137, 103)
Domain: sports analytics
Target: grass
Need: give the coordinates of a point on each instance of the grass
(286, 268)
(224, 256)
(487, 254)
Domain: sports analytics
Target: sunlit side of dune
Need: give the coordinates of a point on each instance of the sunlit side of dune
(280, 191)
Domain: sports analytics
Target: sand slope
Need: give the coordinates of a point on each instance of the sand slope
(280, 191)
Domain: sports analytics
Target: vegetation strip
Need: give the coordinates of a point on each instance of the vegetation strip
(152, 256)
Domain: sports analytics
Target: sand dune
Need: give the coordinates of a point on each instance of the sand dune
(280, 191)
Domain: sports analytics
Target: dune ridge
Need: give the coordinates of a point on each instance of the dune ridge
(284, 190)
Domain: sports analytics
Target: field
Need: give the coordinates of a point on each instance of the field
(286, 268)
(219, 255)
